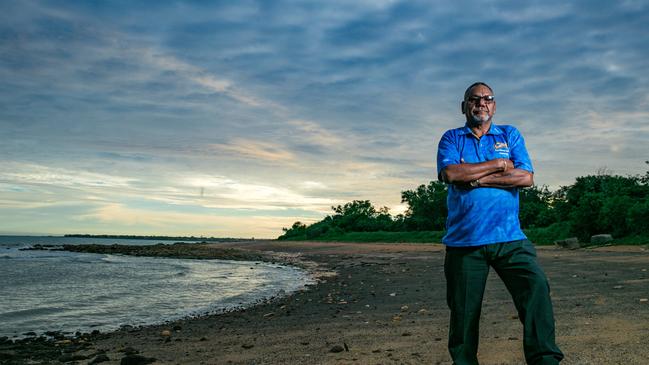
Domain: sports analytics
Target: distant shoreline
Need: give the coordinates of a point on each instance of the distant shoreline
(162, 238)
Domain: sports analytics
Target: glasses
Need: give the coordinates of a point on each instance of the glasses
(475, 99)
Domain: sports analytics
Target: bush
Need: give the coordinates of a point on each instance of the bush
(547, 235)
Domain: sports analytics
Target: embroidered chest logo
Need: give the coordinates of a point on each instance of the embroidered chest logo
(501, 148)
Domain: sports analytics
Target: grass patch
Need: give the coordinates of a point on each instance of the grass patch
(632, 240)
(547, 235)
(380, 236)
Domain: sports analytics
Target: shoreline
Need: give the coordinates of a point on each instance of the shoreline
(387, 305)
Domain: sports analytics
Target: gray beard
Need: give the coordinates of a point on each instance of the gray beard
(477, 120)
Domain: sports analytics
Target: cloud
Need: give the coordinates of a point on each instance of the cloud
(144, 221)
(242, 195)
(315, 105)
(315, 134)
(250, 149)
(34, 174)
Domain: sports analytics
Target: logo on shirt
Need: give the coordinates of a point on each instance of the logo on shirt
(501, 149)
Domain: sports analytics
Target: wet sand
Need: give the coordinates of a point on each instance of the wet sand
(385, 304)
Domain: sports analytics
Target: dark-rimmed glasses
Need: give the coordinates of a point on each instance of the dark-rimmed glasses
(475, 99)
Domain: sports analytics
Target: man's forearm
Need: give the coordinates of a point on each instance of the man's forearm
(465, 173)
(510, 179)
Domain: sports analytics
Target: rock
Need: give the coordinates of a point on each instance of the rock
(247, 346)
(404, 308)
(129, 351)
(7, 355)
(136, 360)
(406, 334)
(644, 300)
(571, 243)
(600, 239)
(99, 359)
(337, 348)
(72, 357)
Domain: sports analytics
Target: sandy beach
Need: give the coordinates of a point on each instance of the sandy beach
(384, 304)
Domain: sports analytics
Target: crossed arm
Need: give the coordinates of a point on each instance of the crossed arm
(498, 173)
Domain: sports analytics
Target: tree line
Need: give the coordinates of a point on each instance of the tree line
(594, 204)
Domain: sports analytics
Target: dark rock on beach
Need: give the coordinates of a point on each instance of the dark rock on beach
(99, 359)
(136, 360)
(177, 250)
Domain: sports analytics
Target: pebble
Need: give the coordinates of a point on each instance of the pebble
(165, 333)
(337, 348)
(644, 300)
(247, 346)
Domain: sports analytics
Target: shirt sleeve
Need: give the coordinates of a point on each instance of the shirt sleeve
(517, 151)
(447, 152)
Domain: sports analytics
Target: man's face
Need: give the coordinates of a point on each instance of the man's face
(477, 108)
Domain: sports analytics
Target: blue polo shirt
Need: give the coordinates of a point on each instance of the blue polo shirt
(482, 216)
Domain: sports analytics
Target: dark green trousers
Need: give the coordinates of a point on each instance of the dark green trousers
(466, 271)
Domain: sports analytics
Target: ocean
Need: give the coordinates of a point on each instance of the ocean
(63, 291)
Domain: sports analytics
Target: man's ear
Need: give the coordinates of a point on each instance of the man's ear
(463, 105)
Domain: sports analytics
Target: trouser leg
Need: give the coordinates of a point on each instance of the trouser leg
(466, 272)
(516, 265)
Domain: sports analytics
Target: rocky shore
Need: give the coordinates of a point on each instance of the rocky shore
(374, 304)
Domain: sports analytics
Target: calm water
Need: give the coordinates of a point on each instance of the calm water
(52, 290)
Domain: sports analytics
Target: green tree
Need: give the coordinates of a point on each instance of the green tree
(297, 231)
(427, 208)
(536, 207)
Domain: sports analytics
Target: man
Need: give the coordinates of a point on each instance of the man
(484, 165)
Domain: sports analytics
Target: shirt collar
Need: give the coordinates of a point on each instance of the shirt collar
(493, 129)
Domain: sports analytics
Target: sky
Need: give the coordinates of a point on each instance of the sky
(238, 118)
